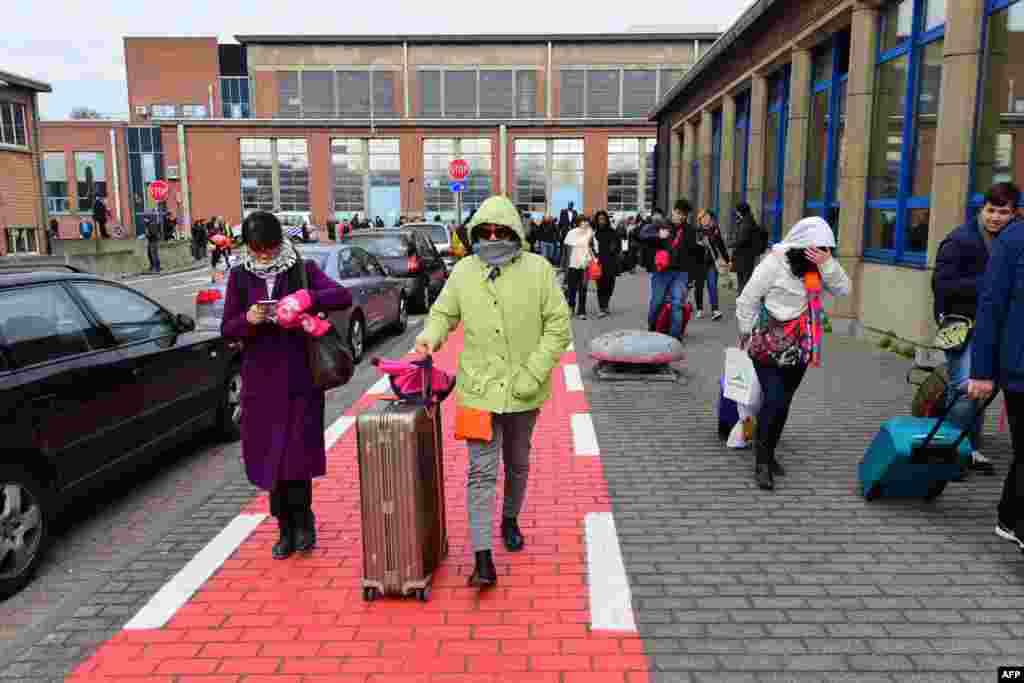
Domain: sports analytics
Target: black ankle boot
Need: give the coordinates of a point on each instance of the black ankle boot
(484, 573)
(777, 469)
(305, 531)
(511, 534)
(763, 477)
(285, 545)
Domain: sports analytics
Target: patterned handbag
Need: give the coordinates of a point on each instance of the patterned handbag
(782, 344)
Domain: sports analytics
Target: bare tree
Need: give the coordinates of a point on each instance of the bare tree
(85, 113)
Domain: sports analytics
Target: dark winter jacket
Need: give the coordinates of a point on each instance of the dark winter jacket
(609, 248)
(546, 232)
(998, 343)
(959, 270)
(715, 248)
(686, 256)
(99, 211)
(751, 241)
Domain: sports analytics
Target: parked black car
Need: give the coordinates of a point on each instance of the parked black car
(96, 379)
(410, 256)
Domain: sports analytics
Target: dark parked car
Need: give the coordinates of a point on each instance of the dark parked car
(95, 380)
(379, 302)
(441, 236)
(410, 256)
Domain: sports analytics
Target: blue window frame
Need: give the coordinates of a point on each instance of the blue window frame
(235, 97)
(775, 151)
(830, 74)
(907, 95)
(716, 159)
(742, 151)
(999, 107)
(695, 182)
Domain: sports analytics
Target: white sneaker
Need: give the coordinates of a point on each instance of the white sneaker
(982, 463)
(700, 314)
(716, 315)
(1006, 533)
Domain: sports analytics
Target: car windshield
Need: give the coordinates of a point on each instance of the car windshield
(438, 235)
(383, 246)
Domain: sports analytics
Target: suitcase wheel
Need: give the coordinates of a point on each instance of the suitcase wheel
(370, 594)
(935, 489)
(873, 492)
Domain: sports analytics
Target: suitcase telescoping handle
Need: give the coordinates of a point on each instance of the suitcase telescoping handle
(948, 409)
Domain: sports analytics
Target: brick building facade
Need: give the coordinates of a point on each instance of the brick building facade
(333, 126)
(21, 206)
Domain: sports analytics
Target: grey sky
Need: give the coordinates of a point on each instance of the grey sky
(77, 46)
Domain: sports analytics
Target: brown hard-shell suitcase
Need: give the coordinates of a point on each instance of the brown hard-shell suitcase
(401, 487)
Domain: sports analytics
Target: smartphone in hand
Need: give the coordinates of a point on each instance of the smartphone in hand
(269, 308)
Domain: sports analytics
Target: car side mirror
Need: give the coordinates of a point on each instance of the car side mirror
(184, 322)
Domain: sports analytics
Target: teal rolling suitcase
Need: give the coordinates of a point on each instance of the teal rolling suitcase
(914, 457)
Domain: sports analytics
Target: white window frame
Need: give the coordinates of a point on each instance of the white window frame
(13, 143)
(194, 111)
(158, 111)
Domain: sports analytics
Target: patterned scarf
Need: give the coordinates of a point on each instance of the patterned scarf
(816, 313)
(281, 263)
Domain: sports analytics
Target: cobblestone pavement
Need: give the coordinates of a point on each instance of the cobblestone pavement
(809, 582)
(806, 583)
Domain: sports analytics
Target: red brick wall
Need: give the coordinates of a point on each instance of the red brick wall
(20, 201)
(214, 173)
(172, 71)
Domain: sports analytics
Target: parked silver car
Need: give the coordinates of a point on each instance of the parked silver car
(441, 236)
(380, 302)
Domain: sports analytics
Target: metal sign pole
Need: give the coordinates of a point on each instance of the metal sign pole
(458, 205)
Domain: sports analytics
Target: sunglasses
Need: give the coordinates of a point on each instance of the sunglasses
(490, 232)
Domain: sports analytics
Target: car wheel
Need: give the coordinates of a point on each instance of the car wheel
(229, 421)
(24, 527)
(357, 337)
(403, 314)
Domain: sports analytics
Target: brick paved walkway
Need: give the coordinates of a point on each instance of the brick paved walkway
(809, 582)
(304, 619)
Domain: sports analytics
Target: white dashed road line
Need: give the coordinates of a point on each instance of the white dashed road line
(337, 430)
(611, 602)
(383, 386)
(573, 380)
(584, 438)
(176, 592)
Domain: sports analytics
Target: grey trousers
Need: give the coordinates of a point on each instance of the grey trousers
(512, 434)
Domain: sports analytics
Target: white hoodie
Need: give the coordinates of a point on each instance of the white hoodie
(579, 239)
(773, 282)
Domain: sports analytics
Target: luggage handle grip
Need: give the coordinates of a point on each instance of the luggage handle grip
(945, 413)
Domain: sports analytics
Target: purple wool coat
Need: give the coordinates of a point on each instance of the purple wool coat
(282, 412)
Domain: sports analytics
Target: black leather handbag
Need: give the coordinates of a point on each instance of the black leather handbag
(329, 357)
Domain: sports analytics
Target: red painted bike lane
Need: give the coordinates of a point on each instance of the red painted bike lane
(304, 619)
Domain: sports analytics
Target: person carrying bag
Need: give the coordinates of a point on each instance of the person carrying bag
(782, 321)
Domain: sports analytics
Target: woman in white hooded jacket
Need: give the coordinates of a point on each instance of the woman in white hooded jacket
(780, 321)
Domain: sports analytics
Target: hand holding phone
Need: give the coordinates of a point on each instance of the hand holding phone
(269, 309)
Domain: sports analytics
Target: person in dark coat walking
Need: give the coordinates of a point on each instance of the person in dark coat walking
(283, 412)
(997, 362)
(609, 252)
(960, 265)
(99, 216)
(751, 242)
(710, 238)
(153, 234)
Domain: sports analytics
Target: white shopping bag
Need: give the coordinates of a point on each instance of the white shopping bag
(742, 434)
(741, 383)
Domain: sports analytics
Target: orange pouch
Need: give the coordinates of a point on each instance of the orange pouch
(472, 424)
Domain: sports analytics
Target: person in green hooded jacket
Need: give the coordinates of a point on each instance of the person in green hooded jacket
(516, 327)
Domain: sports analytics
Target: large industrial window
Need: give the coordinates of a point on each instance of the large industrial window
(827, 127)
(234, 96)
(438, 197)
(630, 189)
(489, 93)
(55, 181)
(348, 164)
(530, 168)
(639, 91)
(318, 94)
(775, 151)
(366, 179)
(741, 150)
(907, 97)
(613, 92)
(91, 179)
(548, 175)
(1001, 104)
(566, 174)
(289, 104)
(274, 174)
(716, 160)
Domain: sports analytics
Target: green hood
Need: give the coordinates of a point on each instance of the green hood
(498, 210)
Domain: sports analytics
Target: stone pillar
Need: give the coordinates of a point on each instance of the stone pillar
(675, 152)
(690, 152)
(730, 146)
(796, 139)
(855, 156)
(704, 136)
(755, 158)
(961, 63)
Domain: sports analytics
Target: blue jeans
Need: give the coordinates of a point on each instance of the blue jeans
(548, 250)
(712, 287)
(959, 364)
(662, 285)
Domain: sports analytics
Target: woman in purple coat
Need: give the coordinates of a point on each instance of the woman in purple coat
(282, 412)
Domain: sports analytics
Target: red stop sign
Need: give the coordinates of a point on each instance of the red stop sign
(458, 169)
(158, 190)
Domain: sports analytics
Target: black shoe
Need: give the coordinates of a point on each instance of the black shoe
(285, 545)
(484, 573)
(511, 534)
(763, 477)
(777, 469)
(305, 532)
